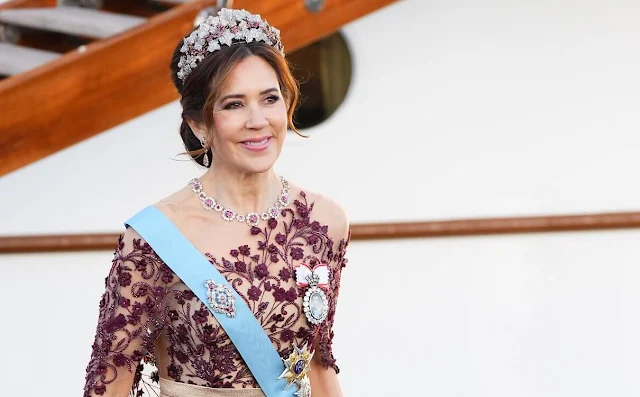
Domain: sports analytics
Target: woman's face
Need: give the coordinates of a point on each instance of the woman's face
(250, 118)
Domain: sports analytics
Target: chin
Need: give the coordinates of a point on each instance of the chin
(258, 165)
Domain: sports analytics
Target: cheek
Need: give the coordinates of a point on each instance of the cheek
(278, 117)
(226, 125)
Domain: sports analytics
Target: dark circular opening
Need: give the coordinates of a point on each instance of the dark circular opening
(323, 69)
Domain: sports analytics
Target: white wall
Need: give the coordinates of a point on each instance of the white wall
(457, 109)
(526, 316)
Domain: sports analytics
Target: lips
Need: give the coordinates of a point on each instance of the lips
(256, 139)
(256, 144)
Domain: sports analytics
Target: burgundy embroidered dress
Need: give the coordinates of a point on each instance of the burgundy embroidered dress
(148, 315)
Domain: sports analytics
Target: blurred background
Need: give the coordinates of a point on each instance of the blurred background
(486, 152)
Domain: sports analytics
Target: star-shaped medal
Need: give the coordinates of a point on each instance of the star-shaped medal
(304, 388)
(297, 366)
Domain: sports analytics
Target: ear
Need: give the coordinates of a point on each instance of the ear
(198, 128)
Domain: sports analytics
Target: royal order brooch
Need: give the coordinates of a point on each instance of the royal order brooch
(296, 370)
(315, 302)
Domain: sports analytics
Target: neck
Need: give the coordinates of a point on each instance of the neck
(240, 191)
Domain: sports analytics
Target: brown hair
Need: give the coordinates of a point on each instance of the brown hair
(200, 90)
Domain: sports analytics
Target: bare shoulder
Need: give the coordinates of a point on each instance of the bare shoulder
(178, 205)
(174, 206)
(328, 212)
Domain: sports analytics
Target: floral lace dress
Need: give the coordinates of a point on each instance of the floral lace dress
(147, 314)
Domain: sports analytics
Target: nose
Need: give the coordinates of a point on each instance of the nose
(256, 118)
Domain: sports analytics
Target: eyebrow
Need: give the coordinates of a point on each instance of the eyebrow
(240, 96)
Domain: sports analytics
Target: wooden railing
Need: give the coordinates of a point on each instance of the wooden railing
(371, 231)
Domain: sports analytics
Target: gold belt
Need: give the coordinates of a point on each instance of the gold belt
(170, 388)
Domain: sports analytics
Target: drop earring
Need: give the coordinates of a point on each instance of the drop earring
(205, 159)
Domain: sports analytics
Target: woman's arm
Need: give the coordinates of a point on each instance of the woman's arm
(324, 381)
(127, 321)
(323, 375)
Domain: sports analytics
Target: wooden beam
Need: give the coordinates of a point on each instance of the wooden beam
(370, 231)
(84, 93)
(492, 226)
(300, 27)
(27, 4)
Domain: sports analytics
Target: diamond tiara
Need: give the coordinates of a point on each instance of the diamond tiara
(227, 27)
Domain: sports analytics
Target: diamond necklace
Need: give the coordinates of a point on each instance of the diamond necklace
(252, 218)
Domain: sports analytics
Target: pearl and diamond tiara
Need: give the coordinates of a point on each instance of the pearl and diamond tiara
(227, 27)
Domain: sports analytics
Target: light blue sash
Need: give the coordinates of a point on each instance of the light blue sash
(193, 269)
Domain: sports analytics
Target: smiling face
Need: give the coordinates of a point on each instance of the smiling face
(249, 118)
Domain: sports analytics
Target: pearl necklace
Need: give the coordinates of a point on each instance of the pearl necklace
(252, 218)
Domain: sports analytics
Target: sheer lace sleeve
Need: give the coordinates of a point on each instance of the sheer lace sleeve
(129, 319)
(337, 259)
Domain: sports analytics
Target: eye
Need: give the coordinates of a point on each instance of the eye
(232, 105)
(272, 99)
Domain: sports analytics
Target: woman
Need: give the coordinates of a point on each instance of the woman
(274, 250)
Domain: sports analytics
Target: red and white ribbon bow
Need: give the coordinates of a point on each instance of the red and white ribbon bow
(303, 270)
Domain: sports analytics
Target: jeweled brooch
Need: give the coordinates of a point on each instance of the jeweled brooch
(221, 298)
(315, 303)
